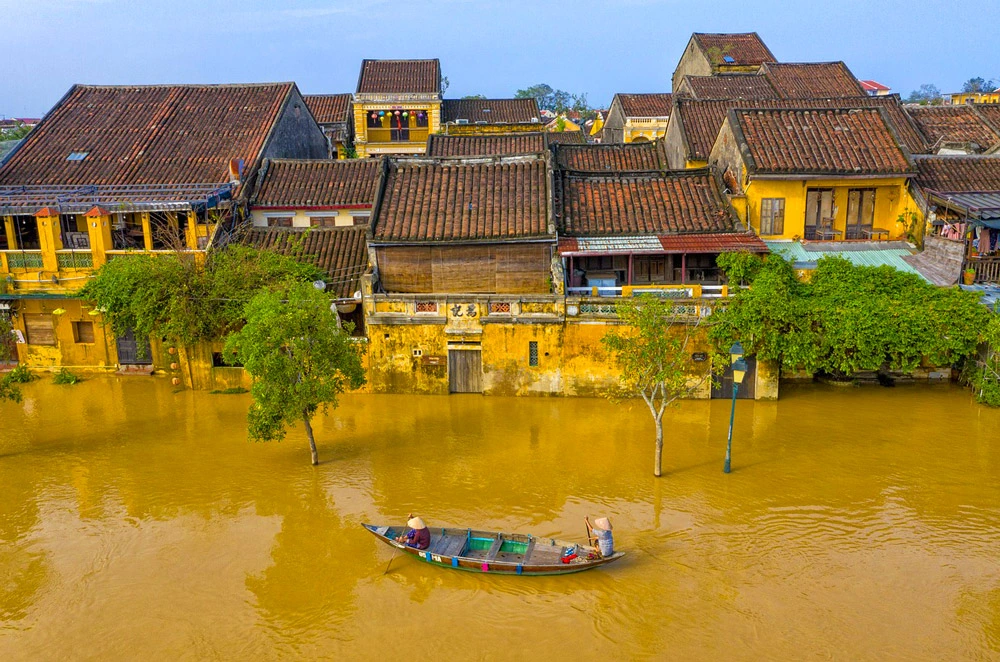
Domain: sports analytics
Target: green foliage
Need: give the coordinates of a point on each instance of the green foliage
(171, 297)
(927, 95)
(16, 133)
(6, 330)
(9, 389)
(232, 390)
(64, 376)
(474, 96)
(20, 375)
(914, 230)
(984, 373)
(978, 84)
(558, 101)
(740, 267)
(299, 358)
(849, 318)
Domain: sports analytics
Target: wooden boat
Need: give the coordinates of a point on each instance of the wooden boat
(498, 553)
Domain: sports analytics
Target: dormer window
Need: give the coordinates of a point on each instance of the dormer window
(77, 156)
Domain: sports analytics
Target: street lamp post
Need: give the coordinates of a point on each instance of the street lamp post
(739, 372)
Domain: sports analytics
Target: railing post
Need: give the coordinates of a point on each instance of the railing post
(49, 237)
(99, 230)
(8, 226)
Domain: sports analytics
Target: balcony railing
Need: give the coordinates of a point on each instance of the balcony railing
(987, 269)
(24, 260)
(397, 135)
(693, 291)
(75, 259)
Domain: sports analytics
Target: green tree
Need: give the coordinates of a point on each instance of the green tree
(558, 101)
(978, 84)
(9, 389)
(848, 318)
(651, 352)
(474, 96)
(16, 132)
(300, 359)
(927, 94)
(984, 373)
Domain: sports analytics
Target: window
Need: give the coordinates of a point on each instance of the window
(323, 221)
(83, 332)
(40, 330)
(860, 212)
(772, 216)
(533, 354)
(279, 221)
(820, 213)
(77, 156)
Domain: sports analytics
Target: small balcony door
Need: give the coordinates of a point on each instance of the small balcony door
(860, 213)
(819, 211)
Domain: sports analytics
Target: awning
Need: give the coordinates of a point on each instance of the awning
(69, 199)
(979, 206)
(662, 244)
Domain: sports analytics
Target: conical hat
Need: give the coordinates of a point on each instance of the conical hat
(602, 523)
(416, 523)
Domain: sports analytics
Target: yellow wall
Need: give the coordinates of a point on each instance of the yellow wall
(960, 98)
(415, 146)
(301, 219)
(891, 199)
(649, 129)
(66, 353)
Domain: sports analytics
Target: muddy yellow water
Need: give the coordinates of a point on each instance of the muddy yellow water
(138, 523)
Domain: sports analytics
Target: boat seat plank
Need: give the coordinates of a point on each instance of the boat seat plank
(528, 551)
(495, 548)
(449, 545)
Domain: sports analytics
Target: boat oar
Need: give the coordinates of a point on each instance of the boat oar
(394, 550)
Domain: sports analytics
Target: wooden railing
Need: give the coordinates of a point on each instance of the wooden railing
(397, 135)
(987, 269)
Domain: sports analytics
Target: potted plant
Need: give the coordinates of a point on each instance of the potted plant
(969, 276)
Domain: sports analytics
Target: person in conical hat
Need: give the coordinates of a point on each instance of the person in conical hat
(418, 537)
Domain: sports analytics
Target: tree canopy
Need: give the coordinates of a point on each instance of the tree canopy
(299, 357)
(927, 95)
(847, 318)
(557, 101)
(979, 84)
(170, 296)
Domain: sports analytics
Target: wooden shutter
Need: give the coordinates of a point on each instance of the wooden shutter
(40, 329)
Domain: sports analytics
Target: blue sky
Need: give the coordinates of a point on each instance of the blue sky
(486, 47)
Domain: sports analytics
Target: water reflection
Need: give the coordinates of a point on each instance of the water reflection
(136, 521)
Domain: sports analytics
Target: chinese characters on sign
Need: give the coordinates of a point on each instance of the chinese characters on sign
(463, 310)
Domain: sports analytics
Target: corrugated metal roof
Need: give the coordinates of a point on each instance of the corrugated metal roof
(608, 244)
(979, 205)
(863, 255)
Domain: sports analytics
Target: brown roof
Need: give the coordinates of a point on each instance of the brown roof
(819, 141)
(679, 201)
(958, 174)
(443, 200)
(701, 120)
(340, 252)
(566, 138)
(486, 145)
(746, 49)
(161, 134)
(812, 80)
(989, 112)
(612, 158)
(731, 86)
(953, 124)
(491, 111)
(302, 184)
(329, 108)
(400, 76)
(646, 105)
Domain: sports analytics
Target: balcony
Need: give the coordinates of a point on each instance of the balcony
(397, 135)
(987, 268)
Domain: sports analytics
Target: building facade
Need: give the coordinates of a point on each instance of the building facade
(397, 105)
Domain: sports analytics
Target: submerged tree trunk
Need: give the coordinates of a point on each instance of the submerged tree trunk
(659, 447)
(309, 434)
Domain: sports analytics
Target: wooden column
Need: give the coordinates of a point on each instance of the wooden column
(99, 229)
(147, 231)
(49, 237)
(191, 232)
(8, 226)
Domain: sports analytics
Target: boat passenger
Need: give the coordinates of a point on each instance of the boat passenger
(418, 537)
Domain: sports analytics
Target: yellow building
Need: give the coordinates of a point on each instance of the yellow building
(467, 117)
(961, 98)
(637, 118)
(396, 106)
(816, 174)
(82, 191)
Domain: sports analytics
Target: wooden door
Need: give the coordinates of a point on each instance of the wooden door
(129, 350)
(465, 370)
(819, 210)
(724, 389)
(860, 212)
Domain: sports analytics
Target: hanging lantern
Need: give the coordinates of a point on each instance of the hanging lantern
(405, 114)
(374, 115)
(381, 113)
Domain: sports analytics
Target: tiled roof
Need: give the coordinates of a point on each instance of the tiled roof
(989, 112)
(730, 86)
(953, 174)
(313, 183)
(566, 138)
(745, 49)
(812, 80)
(826, 141)
(873, 86)
(675, 202)
(329, 108)
(446, 200)
(646, 105)
(492, 111)
(486, 145)
(163, 134)
(340, 252)
(612, 158)
(400, 76)
(953, 124)
(702, 120)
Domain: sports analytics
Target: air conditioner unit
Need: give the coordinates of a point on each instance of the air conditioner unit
(461, 121)
(481, 122)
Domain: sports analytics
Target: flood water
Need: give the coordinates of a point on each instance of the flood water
(138, 523)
